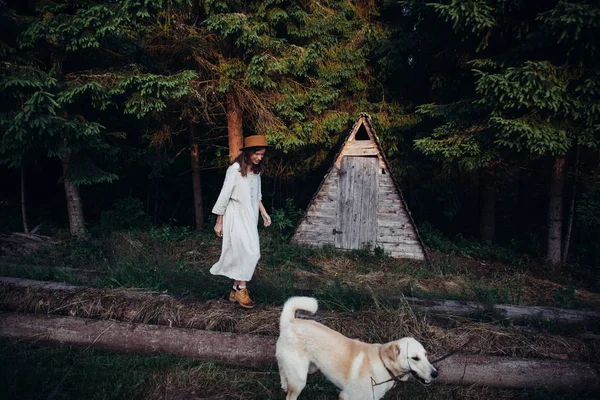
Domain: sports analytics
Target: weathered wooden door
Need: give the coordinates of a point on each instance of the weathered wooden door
(357, 213)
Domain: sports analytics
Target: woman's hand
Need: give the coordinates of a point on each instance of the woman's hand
(264, 213)
(219, 226)
(266, 218)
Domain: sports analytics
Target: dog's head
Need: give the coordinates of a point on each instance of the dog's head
(407, 356)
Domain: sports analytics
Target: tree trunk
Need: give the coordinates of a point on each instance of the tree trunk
(571, 214)
(23, 202)
(521, 224)
(192, 314)
(251, 350)
(234, 126)
(517, 314)
(487, 195)
(555, 211)
(196, 182)
(74, 203)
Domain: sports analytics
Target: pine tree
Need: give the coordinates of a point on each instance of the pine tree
(287, 69)
(294, 71)
(56, 105)
(534, 87)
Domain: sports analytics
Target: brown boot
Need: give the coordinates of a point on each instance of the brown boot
(242, 296)
(232, 296)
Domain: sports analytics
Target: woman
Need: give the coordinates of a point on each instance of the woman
(237, 211)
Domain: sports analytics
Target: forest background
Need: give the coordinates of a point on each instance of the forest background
(124, 114)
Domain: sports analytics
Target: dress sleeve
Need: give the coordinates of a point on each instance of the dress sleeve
(226, 190)
(259, 188)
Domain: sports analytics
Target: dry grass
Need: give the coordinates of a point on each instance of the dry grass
(387, 277)
(380, 325)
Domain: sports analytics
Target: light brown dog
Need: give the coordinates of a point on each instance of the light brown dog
(306, 346)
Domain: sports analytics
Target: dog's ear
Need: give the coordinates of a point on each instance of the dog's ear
(392, 351)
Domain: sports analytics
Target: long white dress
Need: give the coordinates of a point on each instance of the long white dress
(238, 204)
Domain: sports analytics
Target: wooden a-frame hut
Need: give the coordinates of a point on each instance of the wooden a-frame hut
(359, 204)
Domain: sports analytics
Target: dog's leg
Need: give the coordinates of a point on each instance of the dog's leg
(293, 371)
(284, 382)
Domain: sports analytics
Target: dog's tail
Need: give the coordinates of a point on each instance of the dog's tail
(297, 303)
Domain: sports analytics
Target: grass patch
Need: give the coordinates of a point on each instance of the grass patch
(178, 260)
(30, 371)
(33, 371)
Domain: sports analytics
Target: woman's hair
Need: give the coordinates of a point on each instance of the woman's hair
(244, 160)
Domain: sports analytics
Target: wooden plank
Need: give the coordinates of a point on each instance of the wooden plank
(384, 212)
(392, 208)
(318, 220)
(324, 207)
(411, 256)
(360, 152)
(369, 196)
(386, 201)
(401, 247)
(351, 220)
(358, 195)
(321, 214)
(386, 181)
(395, 231)
(322, 233)
(359, 144)
(316, 238)
(388, 192)
(329, 188)
(397, 222)
(406, 239)
(345, 174)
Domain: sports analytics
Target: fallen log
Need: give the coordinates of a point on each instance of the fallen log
(142, 307)
(432, 306)
(501, 311)
(250, 350)
(222, 347)
(17, 242)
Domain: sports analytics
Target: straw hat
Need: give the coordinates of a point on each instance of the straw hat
(255, 141)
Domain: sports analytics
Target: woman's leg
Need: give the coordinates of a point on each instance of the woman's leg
(240, 294)
(233, 290)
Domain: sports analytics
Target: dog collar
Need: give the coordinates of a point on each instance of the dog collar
(394, 378)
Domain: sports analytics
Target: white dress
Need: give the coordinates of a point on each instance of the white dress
(238, 204)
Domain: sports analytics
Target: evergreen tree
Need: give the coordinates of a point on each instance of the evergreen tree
(534, 87)
(294, 71)
(74, 66)
(290, 67)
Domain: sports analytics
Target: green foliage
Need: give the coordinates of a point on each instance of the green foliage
(474, 15)
(170, 234)
(565, 297)
(127, 274)
(65, 373)
(55, 107)
(588, 209)
(127, 213)
(526, 103)
(286, 219)
(490, 296)
(338, 296)
(472, 248)
(293, 66)
(151, 93)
